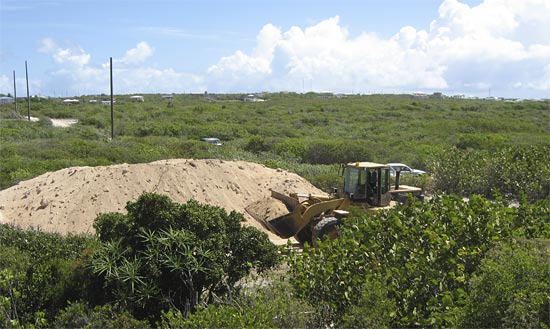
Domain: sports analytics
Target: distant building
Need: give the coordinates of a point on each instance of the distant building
(92, 101)
(420, 95)
(167, 97)
(253, 98)
(437, 95)
(39, 97)
(71, 101)
(6, 100)
(137, 98)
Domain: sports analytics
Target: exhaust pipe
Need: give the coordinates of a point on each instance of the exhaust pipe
(397, 174)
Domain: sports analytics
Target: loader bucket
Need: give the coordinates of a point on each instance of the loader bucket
(298, 214)
(288, 225)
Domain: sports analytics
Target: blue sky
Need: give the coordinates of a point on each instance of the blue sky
(475, 47)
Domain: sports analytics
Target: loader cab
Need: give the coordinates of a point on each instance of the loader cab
(367, 182)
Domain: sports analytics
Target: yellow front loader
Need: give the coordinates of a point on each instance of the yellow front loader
(309, 217)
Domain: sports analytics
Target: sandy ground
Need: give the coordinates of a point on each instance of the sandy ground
(68, 200)
(63, 123)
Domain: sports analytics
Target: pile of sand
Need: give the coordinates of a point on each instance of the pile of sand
(68, 200)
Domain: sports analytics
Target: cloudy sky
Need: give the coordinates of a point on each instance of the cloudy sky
(471, 47)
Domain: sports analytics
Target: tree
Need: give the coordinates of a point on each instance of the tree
(165, 255)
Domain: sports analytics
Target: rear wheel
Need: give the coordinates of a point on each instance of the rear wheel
(327, 228)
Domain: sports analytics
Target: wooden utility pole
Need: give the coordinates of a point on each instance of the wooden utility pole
(112, 103)
(14, 92)
(28, 97)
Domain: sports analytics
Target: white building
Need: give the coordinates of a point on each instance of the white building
(71, 101)
(5, 100)
(137, 98)
(252, 98)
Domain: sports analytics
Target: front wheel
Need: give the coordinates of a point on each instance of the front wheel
(327, 228)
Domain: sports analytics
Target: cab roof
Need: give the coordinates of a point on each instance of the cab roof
(372, 165)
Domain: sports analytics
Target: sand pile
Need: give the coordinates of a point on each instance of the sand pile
(68, 200)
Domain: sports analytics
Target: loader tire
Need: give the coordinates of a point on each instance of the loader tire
(327, 228)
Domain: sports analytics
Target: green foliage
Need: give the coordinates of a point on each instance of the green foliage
(291, 128)
(162, 254)
(373, 309)
(37, 274)
(257, 144)
(512, 288)
(80, 315)
(511, 171)
(325, 177)
(267, 306)
(422, 254)
(336, 151)
(291, 147)
(533, 221)
(409, 267)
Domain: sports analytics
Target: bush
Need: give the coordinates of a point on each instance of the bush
(331, 152)
(37, 274)
(162, 254)
(80, 315)
(512, 288)
(511, 171)
(267, 306)
(421, 254)
(257, 145)
(292, 148)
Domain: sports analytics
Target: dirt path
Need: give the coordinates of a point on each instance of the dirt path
(63, 123)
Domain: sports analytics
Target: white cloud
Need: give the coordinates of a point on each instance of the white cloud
(48, 46)
(501, 45)
(76, 70)
(544, 82)
(496, 45)
(153, 80)
(324, 55)
(137, 55)
(75, 56)
(258, 63)
(6, 86)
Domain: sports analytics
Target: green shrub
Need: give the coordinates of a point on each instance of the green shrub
(512, 288)
(423, 255)
(37, 274)
(511, 171)
(263, 306)
(257, 145)
(292, 147)
(162, 254)
(80, 315)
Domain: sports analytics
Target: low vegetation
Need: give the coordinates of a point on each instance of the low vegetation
(451, 261)
(423, 263)
(307, 134)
